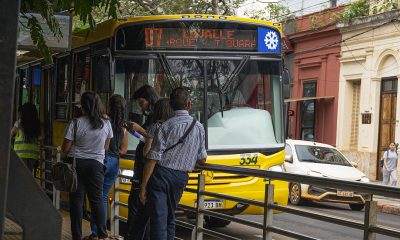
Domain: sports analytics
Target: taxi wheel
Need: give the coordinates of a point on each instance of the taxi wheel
(216, 222)
(295, 194)
(357, 206)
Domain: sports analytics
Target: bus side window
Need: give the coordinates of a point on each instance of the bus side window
(63, 87)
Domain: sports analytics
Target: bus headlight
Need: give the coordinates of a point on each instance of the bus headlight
(277, 168)
(126, 175)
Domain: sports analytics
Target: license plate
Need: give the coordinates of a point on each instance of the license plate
(212, 204)
(345, 194)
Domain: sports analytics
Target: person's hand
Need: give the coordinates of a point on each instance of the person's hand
(132, 126)
(143, 196)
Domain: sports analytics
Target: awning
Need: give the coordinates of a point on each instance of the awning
(308, 98)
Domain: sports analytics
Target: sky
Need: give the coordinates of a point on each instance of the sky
(309, 6)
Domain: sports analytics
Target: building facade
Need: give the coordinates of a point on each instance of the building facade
(368, 119)
(314, 100)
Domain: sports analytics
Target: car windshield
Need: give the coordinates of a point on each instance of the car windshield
(317, 154)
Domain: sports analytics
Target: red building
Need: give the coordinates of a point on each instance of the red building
(315, 58)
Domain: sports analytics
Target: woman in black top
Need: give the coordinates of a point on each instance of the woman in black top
(146, 97)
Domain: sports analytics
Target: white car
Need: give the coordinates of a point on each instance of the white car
(322, 160)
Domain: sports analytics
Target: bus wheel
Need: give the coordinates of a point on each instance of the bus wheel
(295, 194)
(356, 206)
(216, 222)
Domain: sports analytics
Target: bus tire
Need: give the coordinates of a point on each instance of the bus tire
(357, 206)
(216, 222)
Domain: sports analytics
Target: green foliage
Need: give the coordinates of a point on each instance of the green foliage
(387, 5)
(272, 12)
(358, 8)
(315, 24)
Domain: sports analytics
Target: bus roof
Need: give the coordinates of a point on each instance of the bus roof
(106, 29)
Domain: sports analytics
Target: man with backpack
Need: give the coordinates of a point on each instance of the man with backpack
(177, 146)
(389, 168)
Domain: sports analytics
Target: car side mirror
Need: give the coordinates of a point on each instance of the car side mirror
(354, 164)
(289, 158)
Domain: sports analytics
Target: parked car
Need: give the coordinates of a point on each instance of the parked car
(322, 160)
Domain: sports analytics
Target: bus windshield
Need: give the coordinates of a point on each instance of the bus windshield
(237, 100)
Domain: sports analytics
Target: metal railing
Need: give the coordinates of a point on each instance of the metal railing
(49, 155)
(369, 225)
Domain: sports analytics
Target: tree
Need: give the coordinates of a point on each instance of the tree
(46, 8)
(272, 12)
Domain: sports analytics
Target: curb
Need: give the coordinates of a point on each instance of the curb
(388, 208)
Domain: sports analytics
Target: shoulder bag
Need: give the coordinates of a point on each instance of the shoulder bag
(64, 174)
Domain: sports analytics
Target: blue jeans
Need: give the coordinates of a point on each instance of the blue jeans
(163, 195)
(111, 173)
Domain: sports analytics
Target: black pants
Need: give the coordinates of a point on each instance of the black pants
(90, 179)
(138, 219)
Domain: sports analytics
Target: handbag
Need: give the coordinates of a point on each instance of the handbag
(64, 174)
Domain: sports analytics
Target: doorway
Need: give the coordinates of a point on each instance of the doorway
(387, 119)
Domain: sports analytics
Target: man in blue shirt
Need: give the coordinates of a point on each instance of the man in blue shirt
(166, 171)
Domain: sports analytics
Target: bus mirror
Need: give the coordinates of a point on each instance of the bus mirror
(103, 81)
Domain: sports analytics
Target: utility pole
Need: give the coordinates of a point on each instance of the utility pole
(8, 45)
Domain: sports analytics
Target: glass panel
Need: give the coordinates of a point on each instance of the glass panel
(63, 81)
(81, 79)
(315, 154)
(138, 73)
(36, 83)
(387, 85)
(240, 104)
(238, 93)
(308, 112)
(25, 87)
(189, 74)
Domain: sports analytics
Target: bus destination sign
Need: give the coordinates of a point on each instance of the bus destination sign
(206, 39)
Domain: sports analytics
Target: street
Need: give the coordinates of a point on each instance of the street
(313, 228)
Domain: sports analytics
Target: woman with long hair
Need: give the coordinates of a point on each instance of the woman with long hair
(93, 132)
(27, 132)
(118, 145)
(146, 97)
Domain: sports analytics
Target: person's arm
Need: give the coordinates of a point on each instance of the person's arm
(154, 155)
(14, 131)
(147, 146)
(107, 144)
(385, 161)
(202, 153)
(123, 149)
(147, 172)
(66, 145)
(110, 135)
(136, 127)
(68, 138)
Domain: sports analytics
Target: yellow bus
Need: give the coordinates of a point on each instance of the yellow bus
(232, 67)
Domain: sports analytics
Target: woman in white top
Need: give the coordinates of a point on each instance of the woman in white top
(93, 134)
(390, 159)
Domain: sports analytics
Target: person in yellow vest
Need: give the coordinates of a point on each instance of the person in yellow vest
(27, 132)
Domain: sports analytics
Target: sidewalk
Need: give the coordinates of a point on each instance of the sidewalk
(386, 204)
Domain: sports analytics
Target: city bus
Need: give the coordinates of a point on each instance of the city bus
(231, 66)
